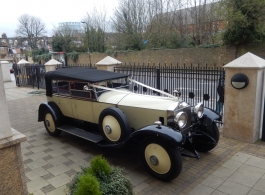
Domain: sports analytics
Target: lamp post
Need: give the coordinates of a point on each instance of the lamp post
(87, 42)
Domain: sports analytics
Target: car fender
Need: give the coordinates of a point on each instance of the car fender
(53, 108)
(172, 137)
(212, 115)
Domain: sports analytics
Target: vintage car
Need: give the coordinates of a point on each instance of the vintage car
(164, 126)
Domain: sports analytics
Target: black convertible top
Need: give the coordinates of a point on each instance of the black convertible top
(82, 74)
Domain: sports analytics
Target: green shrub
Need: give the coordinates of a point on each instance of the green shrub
(99, 166)
(88, 184)
(115, 183)
(111, 180)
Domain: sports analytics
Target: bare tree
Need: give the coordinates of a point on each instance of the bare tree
(95, 29)
(166, 23)
(31, 28)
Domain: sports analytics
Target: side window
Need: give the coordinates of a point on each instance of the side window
(77, 90)
(61, 87)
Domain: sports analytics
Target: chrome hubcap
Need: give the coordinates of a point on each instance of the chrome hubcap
(153, 160)
(107, 129)
(47, 123)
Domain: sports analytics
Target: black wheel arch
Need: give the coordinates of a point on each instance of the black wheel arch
(54, 110)
(172, 137)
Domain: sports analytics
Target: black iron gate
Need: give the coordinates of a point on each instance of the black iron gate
(30, 76)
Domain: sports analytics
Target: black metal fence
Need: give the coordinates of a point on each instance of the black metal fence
(195, 83)
(30, 76)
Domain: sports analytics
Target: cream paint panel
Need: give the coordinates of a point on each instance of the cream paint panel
(64, 103)
(147, 102)
(140, 117)
(83, 110)
(98, 108)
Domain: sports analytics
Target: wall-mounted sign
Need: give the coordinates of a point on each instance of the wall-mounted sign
(239, 81)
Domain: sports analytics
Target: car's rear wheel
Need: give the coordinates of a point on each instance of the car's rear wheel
(161, 160)
(113, 125)
(50, 124)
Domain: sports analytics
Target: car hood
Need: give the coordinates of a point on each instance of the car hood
(126, 98)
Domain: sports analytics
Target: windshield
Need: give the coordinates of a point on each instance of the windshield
(113, 84)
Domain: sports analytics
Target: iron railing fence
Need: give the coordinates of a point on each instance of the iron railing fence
(30, 75)
(194, 83)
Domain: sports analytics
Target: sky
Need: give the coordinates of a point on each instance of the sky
(51, 12)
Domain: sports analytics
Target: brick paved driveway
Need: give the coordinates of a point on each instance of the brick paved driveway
(51, 162)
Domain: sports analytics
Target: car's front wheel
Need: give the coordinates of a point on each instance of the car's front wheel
(50, 124)
(161, 160)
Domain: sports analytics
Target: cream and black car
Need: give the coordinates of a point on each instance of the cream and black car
(164, 126)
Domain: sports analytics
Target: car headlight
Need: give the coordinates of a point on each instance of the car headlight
(199, 110)
(181, 119)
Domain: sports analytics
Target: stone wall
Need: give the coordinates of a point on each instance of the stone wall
(219, 55)
(211, 56)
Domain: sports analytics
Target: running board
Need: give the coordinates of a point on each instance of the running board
(81, 133)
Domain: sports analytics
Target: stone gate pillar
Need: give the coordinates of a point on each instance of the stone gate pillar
(12, 177)
(243, 108)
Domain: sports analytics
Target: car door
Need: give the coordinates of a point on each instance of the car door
(82, 102)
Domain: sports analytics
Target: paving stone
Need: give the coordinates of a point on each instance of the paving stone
(59, 180)
(77, 157)
(255, 192)
(69, 162)
(241, 157)
(48, 176)
(39, 142)
(56, 152)
(201, 190)
(223, 172)
(38, 155)
(59, 169)
(136, 178)
(260, 185)
(233, 165)
(257, 162)
(48, 157)
(38, 149)
(244, 179)
(232, 188)
(67, 154)
(251, 170)
(36, 164)
(57, 160)
(213, 181)
(27, 161)
(77, 166)
(36, 184)
(47, 166)
(216, 192)
(140, 187)
(36, 173)
(59, 191)
(70, 173)
(39, 192)
(47, 189)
